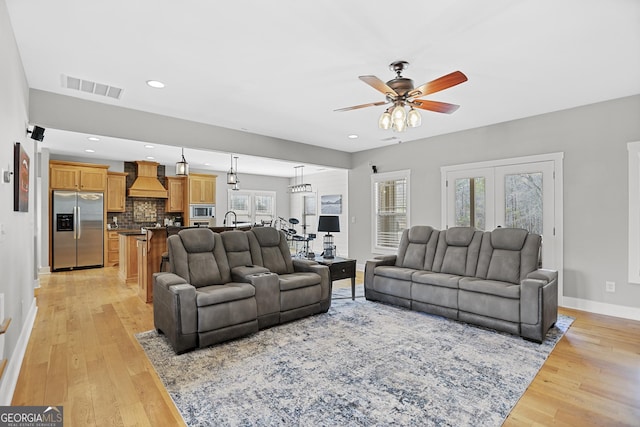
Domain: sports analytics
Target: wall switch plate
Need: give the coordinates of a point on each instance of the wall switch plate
(610, 286)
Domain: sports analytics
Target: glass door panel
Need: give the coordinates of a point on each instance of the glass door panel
(525, 199)
(470, 199)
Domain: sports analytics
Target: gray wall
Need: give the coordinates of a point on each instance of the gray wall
(594, 141)
(78, 115)
(17, 243)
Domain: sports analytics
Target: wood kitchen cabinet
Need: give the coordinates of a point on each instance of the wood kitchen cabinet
(176, 188)
(116, 191)
(113, 249)
(77, 176)
(202, 188)
(144, 291)
(128, 257)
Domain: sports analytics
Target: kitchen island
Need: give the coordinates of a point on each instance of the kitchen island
(127, 256)
(149, 248)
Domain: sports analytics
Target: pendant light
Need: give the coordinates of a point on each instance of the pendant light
(232, 176)
(300, 186)
(182, 167)
(236, 185)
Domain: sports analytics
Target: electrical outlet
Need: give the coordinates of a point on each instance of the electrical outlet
(610, 286)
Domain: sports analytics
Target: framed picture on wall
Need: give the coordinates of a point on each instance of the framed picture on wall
(310, 205)
(331, 204)
(20, 179)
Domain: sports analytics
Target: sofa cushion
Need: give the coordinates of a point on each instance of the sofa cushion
(236, 244)
(511, 239)
(459, 236)
(198, 256)
(417, 247)
(457, 251)
(438, 279)
(508, 254)
(195, 240)
(393, 272)
(218, 294)
(298, 280)
(273, 251)
(490, 287)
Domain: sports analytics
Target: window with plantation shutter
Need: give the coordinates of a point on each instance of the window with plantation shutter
(390, 209)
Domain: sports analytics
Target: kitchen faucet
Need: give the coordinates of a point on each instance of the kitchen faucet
(235, 218)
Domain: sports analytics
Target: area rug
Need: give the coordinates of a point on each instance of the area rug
(360, 364)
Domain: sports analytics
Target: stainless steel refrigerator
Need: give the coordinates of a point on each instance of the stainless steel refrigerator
(78, 230)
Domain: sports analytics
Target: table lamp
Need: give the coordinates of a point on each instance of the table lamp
(329, 224)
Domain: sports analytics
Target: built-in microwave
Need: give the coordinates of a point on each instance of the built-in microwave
(202, 212)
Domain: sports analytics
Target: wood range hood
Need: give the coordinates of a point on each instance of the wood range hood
(146, 183)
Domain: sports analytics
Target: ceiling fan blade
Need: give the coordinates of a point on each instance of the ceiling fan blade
(439, 84)
(378, 84)
(438, 107)
(356, 107)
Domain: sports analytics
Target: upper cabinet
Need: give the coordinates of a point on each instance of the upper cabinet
(116, 191)
(176, 189)
(202, 188)
(77, 176)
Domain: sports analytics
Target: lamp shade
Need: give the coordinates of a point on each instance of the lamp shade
(329, 223)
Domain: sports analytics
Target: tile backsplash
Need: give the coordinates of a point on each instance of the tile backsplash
(141, 212)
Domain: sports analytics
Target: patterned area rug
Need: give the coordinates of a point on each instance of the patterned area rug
(360, 364)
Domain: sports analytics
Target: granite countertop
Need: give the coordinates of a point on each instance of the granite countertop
(131, 233)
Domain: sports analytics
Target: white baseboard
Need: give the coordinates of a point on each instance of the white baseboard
(44, 270)
(10, 377)
(622, 311)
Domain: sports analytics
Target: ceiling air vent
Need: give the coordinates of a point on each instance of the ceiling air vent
(88, 86)
(391, 138)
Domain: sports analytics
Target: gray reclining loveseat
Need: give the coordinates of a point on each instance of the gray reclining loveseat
(488, 278)
(228, 285)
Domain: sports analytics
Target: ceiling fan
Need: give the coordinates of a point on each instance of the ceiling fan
(401, 93)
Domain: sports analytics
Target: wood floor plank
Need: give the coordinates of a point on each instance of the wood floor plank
(83, 355)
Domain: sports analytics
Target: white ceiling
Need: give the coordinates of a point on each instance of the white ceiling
(280, 68)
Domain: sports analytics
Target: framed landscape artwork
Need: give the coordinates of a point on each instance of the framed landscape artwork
(20, 179)
(331, 204)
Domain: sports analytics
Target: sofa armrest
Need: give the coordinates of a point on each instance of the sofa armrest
(371, 265)
(543, 274)
(165, 279)
(538, 304)
(241, 273)
(174, 300)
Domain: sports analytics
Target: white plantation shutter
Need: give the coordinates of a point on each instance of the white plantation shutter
(390, 192)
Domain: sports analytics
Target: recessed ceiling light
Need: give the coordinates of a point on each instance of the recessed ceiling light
(89, 150)
(155, 84)
(352, 136)
(207, 164)
(93, 138)
(149, 146)
(151, 158)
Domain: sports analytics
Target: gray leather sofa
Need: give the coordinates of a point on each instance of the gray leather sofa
(228, 285)
(489, 278)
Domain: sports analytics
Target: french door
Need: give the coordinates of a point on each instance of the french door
(519, 195)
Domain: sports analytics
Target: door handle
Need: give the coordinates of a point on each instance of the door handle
(75, 223)
(79, 222)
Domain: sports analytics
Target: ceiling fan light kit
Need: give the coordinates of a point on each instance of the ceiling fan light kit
(401, 92)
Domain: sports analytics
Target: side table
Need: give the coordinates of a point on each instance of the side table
(340, 268)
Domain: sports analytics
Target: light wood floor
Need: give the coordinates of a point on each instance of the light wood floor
(82, 354)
